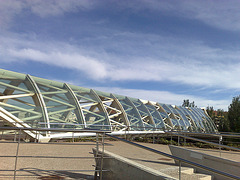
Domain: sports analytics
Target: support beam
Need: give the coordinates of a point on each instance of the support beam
(38, 99)
(78, 111)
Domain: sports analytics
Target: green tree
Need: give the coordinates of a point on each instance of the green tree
(187, 103)
(234, 114)
(220, 118)
(210, 112)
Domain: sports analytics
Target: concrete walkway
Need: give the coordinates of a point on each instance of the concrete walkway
(51, 167)
(46, 164)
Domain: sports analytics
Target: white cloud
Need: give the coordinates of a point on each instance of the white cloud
(166, 97)
(11, 8)
(193, 63)
(221, 14)
(56, 7)
(93, 68)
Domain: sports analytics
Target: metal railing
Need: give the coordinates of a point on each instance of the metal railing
(219, 145)
(38, 130)
(180, 160)
(99, 170)
(204, 141)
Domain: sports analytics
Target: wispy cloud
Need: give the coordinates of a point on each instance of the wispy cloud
(108, 52)
(195, 64)
(11, 8)
(220, 14)
(93, 68)
(166, 97)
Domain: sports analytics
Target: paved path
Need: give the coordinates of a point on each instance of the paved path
(51, 166)
(40, 167)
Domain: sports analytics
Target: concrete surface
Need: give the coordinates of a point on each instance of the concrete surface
(49, 168)
(39, 167)
(122, 168)
(155, 161)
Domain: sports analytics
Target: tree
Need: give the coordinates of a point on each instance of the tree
(210, 112)
(234, 114)
(187, 103)
(220, 118)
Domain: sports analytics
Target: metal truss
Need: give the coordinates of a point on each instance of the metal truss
(27, 101)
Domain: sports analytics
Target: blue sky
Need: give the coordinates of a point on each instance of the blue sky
(158, 50)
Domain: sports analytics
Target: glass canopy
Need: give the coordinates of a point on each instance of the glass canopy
(30, 101)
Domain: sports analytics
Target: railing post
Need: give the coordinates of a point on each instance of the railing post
(15, 136)
(2, 134)
(220, 140)
(38, 136)
(178, 140)
(15, 167)
(97, 143)
(126, 132)
(184, 140)
(101, 168)
(180, 165)
(72, 136)
(153, 138)
(96, 160)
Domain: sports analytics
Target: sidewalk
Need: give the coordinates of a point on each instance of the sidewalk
(50, 166)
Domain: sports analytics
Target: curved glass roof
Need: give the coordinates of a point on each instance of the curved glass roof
(35, 102)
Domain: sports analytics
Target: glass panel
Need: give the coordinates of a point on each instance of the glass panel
(186, 121)
(198, 119)
(156, 117)
(95, 116)
(179, 117)
(206, 120)
(60, 107)
(176, 124)
(186, 113)
(144, 113)
(132, 113)
(23, 108)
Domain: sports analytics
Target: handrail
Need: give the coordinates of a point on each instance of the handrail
(236, 135)
(208, 142)
(55, 129)
(177, 158)
(140, 127)
(21, 129)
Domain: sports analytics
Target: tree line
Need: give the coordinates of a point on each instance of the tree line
(226, 121)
